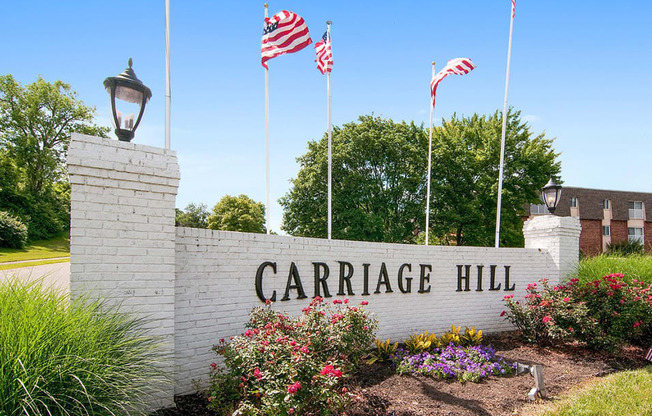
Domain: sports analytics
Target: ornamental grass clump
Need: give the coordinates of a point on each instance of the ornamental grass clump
(60, 357)
(471, 363)
(286, 365)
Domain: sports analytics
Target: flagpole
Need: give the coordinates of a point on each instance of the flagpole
(330, 140)
(267, 205)
(502, 139)
(168, 102)
(432, 109)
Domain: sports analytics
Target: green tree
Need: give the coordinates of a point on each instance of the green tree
(378, 183)
(466, 155)
(238, 213)
(36, 122)
(194, 216)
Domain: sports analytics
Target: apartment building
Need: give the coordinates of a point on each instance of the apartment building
(606, 216)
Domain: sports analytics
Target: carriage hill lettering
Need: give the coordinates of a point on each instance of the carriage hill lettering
(402, 277)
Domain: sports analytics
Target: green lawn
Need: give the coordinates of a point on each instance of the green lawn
(626, 393)
(37, 250)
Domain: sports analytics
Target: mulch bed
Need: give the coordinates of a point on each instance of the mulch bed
(378, 391)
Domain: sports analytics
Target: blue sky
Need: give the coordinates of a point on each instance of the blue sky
(580, 72)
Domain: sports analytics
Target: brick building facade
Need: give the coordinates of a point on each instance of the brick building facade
(606, 216)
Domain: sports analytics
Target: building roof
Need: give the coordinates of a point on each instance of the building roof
(589, 202)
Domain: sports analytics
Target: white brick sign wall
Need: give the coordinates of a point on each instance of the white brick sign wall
(200, 285)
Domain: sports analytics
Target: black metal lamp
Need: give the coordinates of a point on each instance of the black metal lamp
(127, 88)
(551, 194)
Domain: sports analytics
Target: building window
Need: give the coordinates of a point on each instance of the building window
(573, 202)
(635, 210)
(606, 230)
(538, 209)
(635, 234)
(606, 204)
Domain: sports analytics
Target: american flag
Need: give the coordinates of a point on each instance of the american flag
(324, 54)
(285, 32)
(458, 66)
(648, 356)
(513, 8)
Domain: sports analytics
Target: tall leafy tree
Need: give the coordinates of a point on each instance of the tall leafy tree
(238, 213)
(466, 155)
(194, 216)
(36, 122)
(378, 183)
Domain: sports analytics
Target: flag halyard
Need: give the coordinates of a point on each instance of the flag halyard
(285, 32)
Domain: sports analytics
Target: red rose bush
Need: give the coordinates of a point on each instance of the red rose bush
(285, 365)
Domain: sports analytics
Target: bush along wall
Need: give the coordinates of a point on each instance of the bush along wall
(292, 365)
(603, 313)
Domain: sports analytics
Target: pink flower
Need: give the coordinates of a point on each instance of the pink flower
(330, 371)
(213, 366)
(566, 299)
(364, 302)
(502, 313)
(304, 349)
(508, 297)
(346, 301)
(366, 328)
(248, 333)
(337, 317)
(337, 301)
(546, 319)
(258, 374)
(306, 309)
(293, 388)
(637, 323)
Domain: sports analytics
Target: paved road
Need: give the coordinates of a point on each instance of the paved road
(56, 275)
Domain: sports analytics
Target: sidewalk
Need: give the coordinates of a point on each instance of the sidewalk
(56, 275)
(33, 261)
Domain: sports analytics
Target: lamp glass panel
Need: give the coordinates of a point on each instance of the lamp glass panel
(127, 113)
(129, 95)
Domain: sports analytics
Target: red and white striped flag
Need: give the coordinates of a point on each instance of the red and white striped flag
(513, 8)
(457, 66)
(324, 54)
(285, 32)
(648, 356)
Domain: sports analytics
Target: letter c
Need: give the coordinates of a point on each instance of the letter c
(259, 281)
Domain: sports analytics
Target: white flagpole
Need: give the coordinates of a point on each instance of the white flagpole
(168, 102)
(432, 108)
(502, 140)
(330, 139)
(267, 205)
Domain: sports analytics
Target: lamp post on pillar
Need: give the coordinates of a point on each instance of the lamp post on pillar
(550, 195)
(560, 236)
(133, 95)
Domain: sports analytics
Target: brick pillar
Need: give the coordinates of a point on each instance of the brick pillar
(122, 234)
(560, 236)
